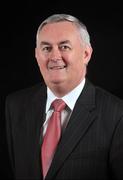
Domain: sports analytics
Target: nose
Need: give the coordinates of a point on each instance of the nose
(55, 54)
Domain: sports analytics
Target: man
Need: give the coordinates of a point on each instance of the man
(91, 142)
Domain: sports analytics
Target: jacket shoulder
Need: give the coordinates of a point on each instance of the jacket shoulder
(25, 94)
(107, 98)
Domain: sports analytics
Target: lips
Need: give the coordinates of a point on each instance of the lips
(56, 67)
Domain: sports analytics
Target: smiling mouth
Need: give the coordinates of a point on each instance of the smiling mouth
(57, 67)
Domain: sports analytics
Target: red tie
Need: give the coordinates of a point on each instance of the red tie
(52, 135)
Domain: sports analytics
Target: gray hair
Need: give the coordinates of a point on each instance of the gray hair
(65, 17)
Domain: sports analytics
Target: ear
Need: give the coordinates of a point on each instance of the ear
(87, 54)
(36, 53)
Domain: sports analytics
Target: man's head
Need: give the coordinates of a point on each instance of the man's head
(63, 51)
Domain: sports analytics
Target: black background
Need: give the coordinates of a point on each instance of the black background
(18, 25)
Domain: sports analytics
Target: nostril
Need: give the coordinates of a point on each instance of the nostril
(55, 59)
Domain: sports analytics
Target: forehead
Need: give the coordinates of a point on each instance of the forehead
(58, 30)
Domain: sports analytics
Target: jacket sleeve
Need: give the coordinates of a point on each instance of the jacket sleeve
(9, 135)
(116, 152)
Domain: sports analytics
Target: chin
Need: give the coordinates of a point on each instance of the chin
(57, 81)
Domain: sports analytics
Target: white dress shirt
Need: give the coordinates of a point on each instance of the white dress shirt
(70, 100)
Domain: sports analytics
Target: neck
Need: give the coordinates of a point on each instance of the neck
(61, 90)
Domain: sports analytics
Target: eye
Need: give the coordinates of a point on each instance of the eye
(46, 48)
(65, 47)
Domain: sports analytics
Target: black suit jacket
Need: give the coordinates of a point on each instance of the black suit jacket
(90, 148)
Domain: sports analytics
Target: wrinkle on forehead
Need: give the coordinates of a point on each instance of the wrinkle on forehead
(59, 32)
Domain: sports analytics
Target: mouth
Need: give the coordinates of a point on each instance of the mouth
(57, 67)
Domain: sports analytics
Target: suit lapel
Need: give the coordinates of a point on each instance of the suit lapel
(82, 117)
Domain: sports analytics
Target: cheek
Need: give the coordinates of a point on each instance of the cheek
(41, 62)
(78, 68)
(42, 66)
(77, 62)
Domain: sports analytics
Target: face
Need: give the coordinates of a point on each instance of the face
(62, 56)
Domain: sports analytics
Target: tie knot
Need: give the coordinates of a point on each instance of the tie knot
(58, 105)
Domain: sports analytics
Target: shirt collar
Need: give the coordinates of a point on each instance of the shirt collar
(70, 99)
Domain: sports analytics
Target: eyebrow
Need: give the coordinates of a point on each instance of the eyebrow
(44, 43)
(47, 43)
(65, 42)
